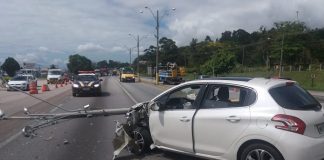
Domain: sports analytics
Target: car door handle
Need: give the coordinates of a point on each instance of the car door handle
(184, 119)
(233, 119)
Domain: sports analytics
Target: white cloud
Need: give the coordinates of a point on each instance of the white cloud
(89, 47)
(117, 49)
(43, 49)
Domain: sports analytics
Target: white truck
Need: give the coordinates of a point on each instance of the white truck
(54, 76)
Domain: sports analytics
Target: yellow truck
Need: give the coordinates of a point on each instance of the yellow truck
(127, 75)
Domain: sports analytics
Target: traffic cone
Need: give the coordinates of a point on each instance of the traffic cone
(33, 88)
(45, 88)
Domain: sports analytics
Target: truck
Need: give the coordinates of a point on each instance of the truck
(127, 74)
(171, 74)
(54, 76)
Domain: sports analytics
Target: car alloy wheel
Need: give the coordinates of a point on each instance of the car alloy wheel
(260, 151)
(141, 141)
(259, 154)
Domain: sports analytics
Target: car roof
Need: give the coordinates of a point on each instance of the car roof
(258, 82)
(86, 74)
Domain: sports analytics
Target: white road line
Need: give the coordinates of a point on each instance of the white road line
(13, 137)
(127, 93)
(55, 109)
(9, 140)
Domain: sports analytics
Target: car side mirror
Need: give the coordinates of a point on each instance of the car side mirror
(100, 80)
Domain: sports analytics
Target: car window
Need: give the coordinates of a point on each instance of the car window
(86, 78)
(183, 98)
(223, 96)
(294, 97)
(20, 78)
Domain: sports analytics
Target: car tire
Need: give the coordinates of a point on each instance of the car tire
(253, 151)
(141, 141)
(74, 94)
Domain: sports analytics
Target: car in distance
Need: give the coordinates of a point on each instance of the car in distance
(54, 76)
(20, 82)
(127, 75)
(86, 83)
(233, 118)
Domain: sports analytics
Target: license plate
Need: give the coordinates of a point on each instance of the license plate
(320, 128)
(86, 89)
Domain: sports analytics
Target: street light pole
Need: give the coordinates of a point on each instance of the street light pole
(130, 57)
(137, 39)
(281, 54)
(157, 49)
(157, 19)
(138, 75)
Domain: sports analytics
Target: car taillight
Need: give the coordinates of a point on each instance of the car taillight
(289, 123)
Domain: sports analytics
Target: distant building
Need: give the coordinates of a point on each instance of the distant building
(29, 65)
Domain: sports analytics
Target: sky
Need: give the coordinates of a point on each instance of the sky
(48, 31)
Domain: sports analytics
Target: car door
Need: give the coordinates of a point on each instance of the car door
(223, 116)
(171, 127)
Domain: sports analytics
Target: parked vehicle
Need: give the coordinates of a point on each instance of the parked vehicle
(171, 74)
(231, 118)
(86, 83)
(20, 82)
(54, 76)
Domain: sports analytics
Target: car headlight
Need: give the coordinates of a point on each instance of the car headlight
(96, 85)
(75, 85)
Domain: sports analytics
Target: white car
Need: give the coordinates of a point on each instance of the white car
(232, 119)
(20, 82)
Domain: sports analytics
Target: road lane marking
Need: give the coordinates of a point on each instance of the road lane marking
(15, 136)
(127, 93)
(55, 109)
(9, 140)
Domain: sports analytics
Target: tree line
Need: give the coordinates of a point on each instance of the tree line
(299, 45)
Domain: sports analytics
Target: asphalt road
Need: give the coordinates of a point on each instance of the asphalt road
(78, 139)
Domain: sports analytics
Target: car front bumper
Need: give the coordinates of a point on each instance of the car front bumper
(86, 90)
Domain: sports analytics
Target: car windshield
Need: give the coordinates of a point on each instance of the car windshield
(86, 78)
(128, 72)
(294, 97)
(54, 73)
(19, 78)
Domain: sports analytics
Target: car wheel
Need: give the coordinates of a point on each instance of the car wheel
(141, 141)
(74, 94)
(260, 151)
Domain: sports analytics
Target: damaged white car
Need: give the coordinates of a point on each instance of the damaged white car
(228, 118)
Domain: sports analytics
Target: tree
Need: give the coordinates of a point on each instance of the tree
(220, 63)
(226, 36)
(78, 62)
(52, 66)
(102, 64)
(208, 39)
(10, 66)
(169, 51)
